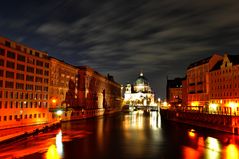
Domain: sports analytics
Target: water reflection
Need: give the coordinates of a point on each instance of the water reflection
(136, 120)
(52, 153)
(232, 152)
(59, 144)
(213, 148)
(198, 146)
(134, 135)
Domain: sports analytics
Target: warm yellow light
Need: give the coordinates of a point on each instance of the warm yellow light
(52, 153)
(53, 101)
(232, 104)
(213, 144)
(191, 133)
(165, 104)
(213, 106)
(59, 112)
(195, 103)
(232, 152)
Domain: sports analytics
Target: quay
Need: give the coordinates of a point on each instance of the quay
(222, 121)
(11, 134)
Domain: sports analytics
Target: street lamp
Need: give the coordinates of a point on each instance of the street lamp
(53, 101)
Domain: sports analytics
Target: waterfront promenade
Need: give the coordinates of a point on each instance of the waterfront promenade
(217, 120)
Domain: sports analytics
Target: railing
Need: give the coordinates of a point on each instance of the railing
(201, 109)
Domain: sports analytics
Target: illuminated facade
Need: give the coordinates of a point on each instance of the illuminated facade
(224, 84)
(139, 93)
(37, 89)
(198, 80)
(63, 84)
(24, 78)
(96, 91)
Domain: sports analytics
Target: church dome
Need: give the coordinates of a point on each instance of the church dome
(141, 81)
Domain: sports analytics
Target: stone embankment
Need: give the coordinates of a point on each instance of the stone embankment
(222, 122)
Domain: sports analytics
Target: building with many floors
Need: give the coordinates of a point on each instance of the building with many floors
(97, 91)
(24, 85)
(224, 84)
(198, 80)
(213, 83)
(34, 87)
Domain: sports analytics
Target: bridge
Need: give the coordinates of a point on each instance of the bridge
(144, 108)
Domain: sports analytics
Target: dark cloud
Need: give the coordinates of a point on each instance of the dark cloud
(124, 37)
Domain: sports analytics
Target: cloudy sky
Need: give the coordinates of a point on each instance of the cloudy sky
(123, 37)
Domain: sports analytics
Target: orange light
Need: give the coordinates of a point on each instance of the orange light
(191, 133)
(54, 101)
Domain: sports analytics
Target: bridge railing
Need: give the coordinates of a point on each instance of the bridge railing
(202, 109)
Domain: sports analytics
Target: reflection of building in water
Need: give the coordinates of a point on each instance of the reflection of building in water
(139, 93)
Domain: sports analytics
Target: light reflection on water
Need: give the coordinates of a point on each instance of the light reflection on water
(134, 135)
(210, 147)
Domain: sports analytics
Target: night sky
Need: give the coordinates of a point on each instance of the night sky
(123, 37)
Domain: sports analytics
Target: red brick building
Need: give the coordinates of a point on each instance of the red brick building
(198, 80)
(224, 84)
(96, 91)
(63, 84)
(24, 78)
(34, 86)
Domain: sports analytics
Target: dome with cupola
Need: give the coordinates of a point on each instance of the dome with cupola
(141, 84)
(141, 80)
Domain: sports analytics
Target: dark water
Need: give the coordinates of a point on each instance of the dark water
(135, 135)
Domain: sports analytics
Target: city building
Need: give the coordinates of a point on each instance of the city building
(24, 85)
(174, 91)
(139, 93)
(224, 85)
(198, 80)
(63, 85)
(38, 89)
(96, 91)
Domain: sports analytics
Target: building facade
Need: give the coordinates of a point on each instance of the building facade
(96, 91)
(63, 84)
(38, 89)
(174, 91)
(224, 85)
(198, 80)
(140, 93)
(24, 85)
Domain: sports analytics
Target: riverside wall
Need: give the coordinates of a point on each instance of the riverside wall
(222, 122)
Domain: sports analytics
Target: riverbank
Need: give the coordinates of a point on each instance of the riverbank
(10, 134)
(225, 123)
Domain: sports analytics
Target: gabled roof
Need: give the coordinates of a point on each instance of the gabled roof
(200, 62)
(217, 66)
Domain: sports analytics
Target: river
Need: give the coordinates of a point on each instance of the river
(126, 135)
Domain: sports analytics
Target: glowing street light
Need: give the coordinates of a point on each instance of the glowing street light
(59, 112)
(53, 101)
